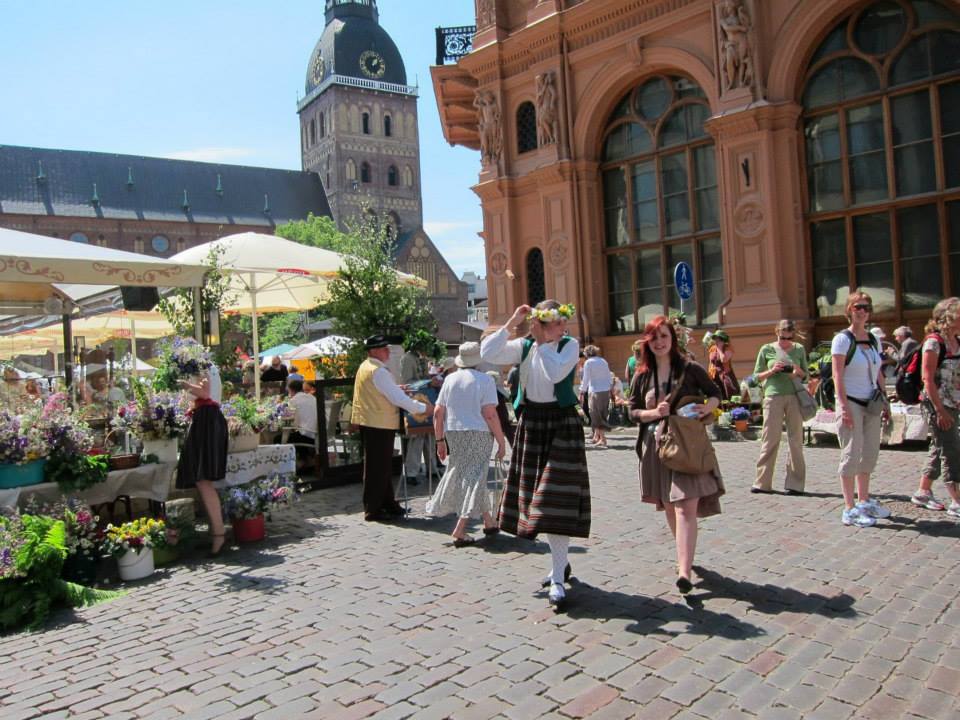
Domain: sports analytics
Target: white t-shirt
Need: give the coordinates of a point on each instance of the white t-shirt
(464, 393)
(544, 367)
(305, 413)
(216, 384)
(595, 376)
(860, 376)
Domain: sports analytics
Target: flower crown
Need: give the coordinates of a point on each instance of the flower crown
(565, 311)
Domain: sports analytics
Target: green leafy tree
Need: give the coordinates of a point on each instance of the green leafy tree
(368, 298)
(321, 232)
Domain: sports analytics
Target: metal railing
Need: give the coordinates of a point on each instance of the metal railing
(357, 82)
(453, 43)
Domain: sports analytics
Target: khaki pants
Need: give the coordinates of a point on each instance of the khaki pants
(776, 409)
(859, 445)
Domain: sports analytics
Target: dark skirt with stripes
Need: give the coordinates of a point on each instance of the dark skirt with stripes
(204, 454)
(548, 487)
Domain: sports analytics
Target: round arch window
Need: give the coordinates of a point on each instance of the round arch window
(160, 244)
(660, 203)
(881, 134)
(79, 237)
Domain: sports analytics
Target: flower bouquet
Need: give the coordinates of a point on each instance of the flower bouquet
(278, 414)
(182, 357)
(83, 536)
(22, 437)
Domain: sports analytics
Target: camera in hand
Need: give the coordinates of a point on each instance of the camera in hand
(787, 369)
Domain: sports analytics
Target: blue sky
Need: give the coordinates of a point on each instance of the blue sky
(214, 81)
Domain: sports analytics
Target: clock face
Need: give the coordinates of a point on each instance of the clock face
(160, 244)
(316, 73)
(372, 64)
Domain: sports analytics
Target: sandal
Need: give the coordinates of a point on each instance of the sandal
(219, 550)
(463, 542)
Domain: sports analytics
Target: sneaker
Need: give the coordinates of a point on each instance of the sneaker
(854, 516)
(954, 510)
(926, 500)
(874, 509)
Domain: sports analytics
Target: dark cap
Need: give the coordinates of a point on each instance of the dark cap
(376, 341)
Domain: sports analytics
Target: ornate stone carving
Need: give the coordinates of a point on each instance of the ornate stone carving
(749, 219)
(498, 263)
(489, 125)
(486, 13)
(558, 254)
(547, 108)
(736, 49)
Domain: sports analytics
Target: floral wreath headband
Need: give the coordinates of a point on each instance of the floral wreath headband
(565, 312)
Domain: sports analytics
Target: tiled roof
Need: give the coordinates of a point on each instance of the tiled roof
(38, 181)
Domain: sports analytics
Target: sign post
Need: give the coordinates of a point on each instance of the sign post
(683, 281)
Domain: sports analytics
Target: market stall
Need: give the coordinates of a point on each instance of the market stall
(906, 423)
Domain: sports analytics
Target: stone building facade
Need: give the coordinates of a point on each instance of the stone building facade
(788, 150)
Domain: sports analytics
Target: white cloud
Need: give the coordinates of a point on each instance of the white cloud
(212, 154)
(443, 227)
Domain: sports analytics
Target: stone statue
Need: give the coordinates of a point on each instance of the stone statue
(488, 121)
(547, 108)
(486, 13)
(736, 53)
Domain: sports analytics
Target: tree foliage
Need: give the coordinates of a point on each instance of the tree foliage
(321, 232)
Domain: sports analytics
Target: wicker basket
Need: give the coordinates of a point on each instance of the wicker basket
(124, 462)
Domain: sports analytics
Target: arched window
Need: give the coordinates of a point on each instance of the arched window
(323, 126)
(365, 123)
(392, 175)
(526, 127)
(313, 131)
(79, 237)
(660, 203)
(536, 282)
(351, 169)
(407, 176)
(387, 126)
(882, 146)
(365, 172)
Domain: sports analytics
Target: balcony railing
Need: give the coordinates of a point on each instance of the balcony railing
(453, 43)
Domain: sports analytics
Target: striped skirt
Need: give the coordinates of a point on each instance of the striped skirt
(548, 487)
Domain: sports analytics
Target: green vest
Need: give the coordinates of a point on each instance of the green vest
(563, 390)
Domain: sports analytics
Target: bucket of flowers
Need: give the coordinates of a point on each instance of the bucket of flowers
(279, 415)
(740, 417)
(83, 537)
(245, 421)
(132, 545)
(247, 505)
(157, 419)
(23, 448)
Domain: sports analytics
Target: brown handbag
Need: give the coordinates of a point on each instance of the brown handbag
(684, 446)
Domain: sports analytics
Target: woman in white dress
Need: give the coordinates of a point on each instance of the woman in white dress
(465, 423)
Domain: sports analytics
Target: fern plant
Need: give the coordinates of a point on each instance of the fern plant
(32, 587)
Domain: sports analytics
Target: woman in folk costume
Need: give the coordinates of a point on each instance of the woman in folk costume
(548, 488)
(664, 378)
(720, 364)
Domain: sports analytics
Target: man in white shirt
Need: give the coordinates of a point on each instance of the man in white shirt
(304, 418)
(376, 398)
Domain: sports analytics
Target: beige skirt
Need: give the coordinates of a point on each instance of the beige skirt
(660, 484)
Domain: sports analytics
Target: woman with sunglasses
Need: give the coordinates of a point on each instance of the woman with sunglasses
(856, 378)
(778, 364)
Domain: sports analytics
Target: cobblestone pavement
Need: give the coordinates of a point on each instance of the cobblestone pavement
(331, 617)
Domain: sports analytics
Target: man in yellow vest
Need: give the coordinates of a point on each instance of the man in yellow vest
(376, 397)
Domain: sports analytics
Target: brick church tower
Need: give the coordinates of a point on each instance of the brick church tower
(358, 119)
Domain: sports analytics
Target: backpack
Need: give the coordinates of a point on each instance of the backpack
(826, 389)
(909, 382)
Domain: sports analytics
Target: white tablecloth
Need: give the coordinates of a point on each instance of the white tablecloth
(906, 423)
(265, 461)
(152, 482)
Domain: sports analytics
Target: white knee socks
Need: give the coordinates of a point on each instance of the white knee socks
(558, 553)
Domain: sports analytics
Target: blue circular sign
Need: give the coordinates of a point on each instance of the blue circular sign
(683, 280)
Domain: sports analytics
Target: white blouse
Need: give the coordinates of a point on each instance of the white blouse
(543, 368)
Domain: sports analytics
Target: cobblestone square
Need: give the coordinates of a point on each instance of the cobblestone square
(794, 615)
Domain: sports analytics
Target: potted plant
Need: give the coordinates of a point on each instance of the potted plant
(23, 448)
(157, 419)
(82, 536)
(247, 505)
(132, 544)
(245, 420)
(740, 417)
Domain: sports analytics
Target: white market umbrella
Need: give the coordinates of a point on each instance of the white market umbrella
(330, 345)
(270, 274)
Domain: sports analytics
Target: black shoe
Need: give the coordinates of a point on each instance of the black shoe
(376, 517)
(755, 489)
(795, 492)
(684, 585)
(566, 577)
(412, 481)
(395, 511)
(464, 541)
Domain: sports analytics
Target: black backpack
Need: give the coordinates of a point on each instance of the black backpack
(826, 390)
(909, 382)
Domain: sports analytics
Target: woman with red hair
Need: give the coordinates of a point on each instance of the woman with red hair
(666, 380)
